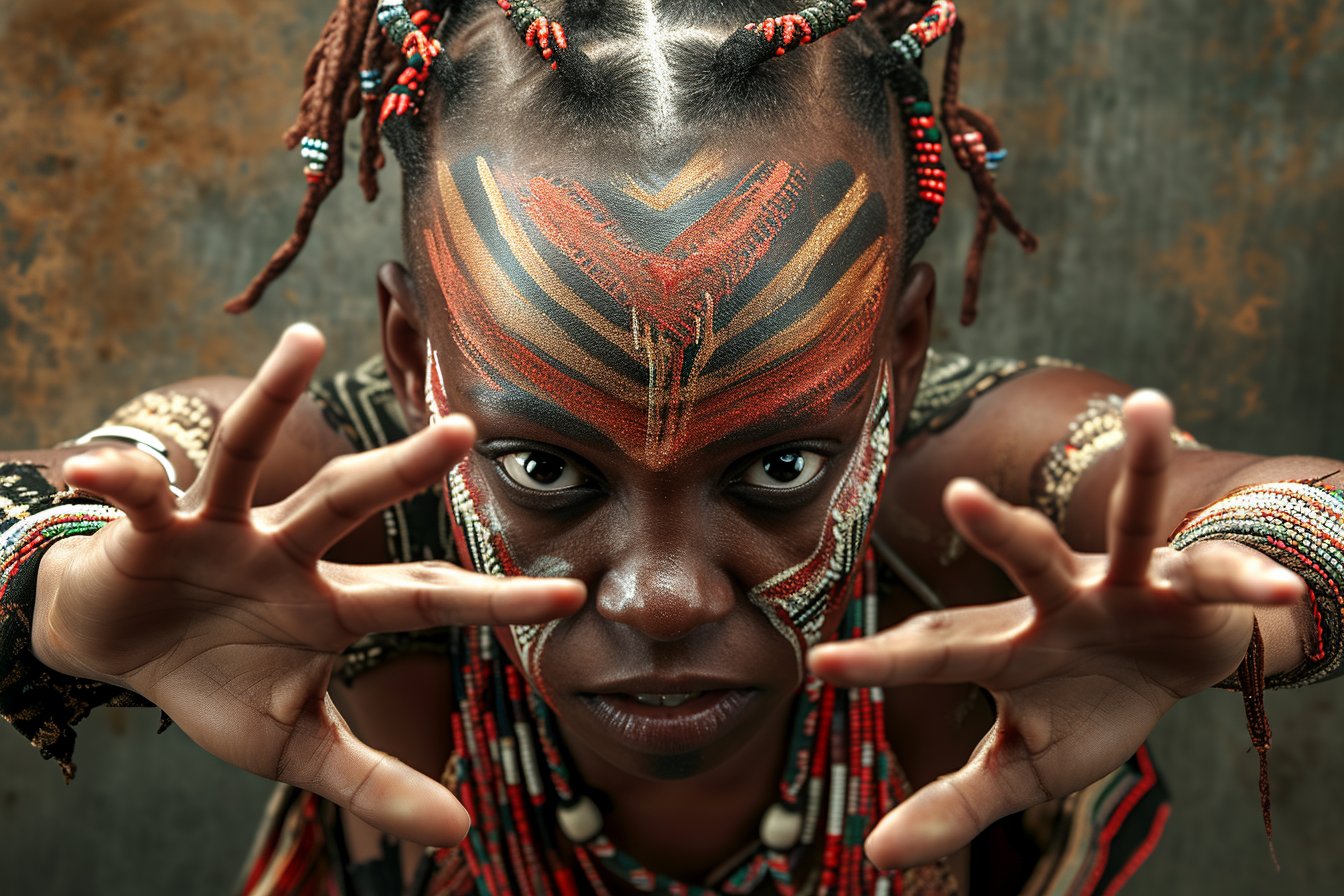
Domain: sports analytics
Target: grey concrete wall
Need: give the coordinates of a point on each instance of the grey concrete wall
(1181, 161)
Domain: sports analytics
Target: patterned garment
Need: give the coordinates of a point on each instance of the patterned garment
(1099, 838)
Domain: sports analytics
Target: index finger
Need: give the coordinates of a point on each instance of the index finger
(249, 427)
(1134, 522)
(399, 597)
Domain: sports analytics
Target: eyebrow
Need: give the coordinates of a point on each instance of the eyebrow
(776, 430)
(510, 401)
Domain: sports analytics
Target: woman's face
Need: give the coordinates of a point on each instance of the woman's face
(679, 403)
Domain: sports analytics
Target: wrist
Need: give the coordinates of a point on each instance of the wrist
(45, 643)
(1299, 525)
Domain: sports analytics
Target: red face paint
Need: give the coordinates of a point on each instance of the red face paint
(748, 299)
(659, 323)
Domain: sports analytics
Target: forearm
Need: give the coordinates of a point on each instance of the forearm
(1290, 632)
(1198, 479)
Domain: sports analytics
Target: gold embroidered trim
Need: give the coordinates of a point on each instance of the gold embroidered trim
(186, 420)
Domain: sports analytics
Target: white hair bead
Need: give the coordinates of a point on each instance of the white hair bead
(781, 827)
(579, 821)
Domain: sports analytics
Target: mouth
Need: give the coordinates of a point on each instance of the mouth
(670, 722)
(666, 699)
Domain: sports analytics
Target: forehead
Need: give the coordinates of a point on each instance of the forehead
(659, 315)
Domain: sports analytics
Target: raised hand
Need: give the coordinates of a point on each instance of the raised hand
(226, 617)
(1083, 667)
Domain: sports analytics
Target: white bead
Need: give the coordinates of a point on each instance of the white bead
(580, 821)
(781, 827)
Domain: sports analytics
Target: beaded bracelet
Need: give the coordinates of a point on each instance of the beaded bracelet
(185, 420)
(1299, 524)
(41, 704)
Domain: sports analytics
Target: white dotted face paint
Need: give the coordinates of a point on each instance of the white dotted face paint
(802, 599)
(481, 546)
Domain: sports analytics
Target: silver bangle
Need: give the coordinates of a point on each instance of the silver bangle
(144, 441)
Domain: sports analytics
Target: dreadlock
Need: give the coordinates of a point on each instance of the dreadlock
(375, 59)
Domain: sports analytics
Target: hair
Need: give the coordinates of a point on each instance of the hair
(385, 63)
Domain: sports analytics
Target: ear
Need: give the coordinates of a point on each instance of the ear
(404, 348)
(910, 343)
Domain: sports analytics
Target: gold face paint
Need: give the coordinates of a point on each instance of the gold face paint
(665, 320)
(660, 321)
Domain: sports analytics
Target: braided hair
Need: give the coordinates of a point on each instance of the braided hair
(383, 60)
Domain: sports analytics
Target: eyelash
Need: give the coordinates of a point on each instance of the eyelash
(570, 499)
(814, 456)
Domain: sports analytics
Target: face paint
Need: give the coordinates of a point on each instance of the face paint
(658, 322)
(478, 536)
(801, 600)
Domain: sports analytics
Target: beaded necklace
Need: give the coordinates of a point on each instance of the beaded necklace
(509, 769)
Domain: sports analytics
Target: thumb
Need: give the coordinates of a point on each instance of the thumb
(945, 815)
(376, 787)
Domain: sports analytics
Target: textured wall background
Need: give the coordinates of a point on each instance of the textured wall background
(1181, 161)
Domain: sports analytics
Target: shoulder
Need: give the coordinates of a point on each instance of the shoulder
(995, 420)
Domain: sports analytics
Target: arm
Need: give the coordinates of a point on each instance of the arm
(185, 417)
(225, 616)
(1083, 667)
(1002, 441)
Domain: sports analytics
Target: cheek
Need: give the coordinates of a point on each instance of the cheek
(806, 602)
(481, 545)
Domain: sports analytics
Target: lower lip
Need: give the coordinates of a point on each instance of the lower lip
(693, 725)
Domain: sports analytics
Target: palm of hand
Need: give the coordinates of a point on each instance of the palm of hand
(226, 617)
(202, 642)
(1081, 669)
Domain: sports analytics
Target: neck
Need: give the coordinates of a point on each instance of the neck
(689, 827)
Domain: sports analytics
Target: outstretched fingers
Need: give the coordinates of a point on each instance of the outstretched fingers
(349, 490)
(249, 427)
(325, 757)
(1022, 541)
(1134, 525)
(965, 644)
(130, 480)
(407, 596)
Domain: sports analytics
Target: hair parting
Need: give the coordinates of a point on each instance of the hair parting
(375, 58)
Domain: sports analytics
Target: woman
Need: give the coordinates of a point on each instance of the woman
(478, 199)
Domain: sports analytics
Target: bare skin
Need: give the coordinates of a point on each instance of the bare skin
(986, 634)
(1180, 619)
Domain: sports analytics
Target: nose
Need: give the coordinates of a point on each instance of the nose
(665, 591)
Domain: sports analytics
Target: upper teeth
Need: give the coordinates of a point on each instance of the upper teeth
(666, 699)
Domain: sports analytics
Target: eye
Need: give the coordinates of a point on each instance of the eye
(542, 471)
(787, 468)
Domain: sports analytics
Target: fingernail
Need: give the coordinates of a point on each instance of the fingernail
(1284, 577)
